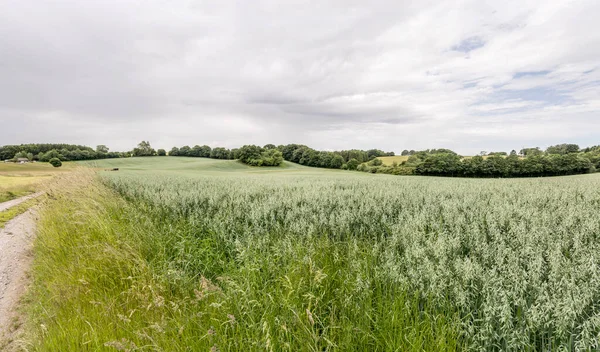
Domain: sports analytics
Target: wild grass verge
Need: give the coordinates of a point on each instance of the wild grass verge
(116, 275)
(11, 213)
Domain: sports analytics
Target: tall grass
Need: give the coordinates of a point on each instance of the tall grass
(215, 266)
(518, 259)
(318, 262)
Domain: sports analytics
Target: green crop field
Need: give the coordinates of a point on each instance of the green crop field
(192, 254)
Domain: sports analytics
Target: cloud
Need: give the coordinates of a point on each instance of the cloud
(339, 74)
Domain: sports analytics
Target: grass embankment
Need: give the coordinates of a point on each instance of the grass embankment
(116, 275)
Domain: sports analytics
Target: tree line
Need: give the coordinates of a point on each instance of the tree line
(64, 152)
(560, 159)
(271, 155)
(205, 152)
(344, 159)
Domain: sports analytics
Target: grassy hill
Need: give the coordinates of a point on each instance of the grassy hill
(17, 180)
(203, 166)
(389, 160)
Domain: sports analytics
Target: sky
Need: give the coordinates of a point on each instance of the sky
(469, 75)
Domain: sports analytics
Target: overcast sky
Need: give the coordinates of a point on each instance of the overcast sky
(466, 75)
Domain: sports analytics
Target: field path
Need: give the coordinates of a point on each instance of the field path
(11, 203)
(16, 240)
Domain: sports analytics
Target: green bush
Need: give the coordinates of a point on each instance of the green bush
(55, 162)
(257, 156)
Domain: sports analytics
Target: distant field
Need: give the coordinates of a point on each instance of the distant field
(17, 180)
(389, 160)
(31, 169)
(201, 166)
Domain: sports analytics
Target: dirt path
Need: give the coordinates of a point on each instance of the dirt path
(15, 258)
(12, 203)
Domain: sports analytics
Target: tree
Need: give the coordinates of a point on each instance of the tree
(563, 149)
(257, 156)
(271, 157)
(513, 152)
(530, 152)
(55, 162)
(161, 152)
(220, 153)
(352, 164)
(185, 151)
(373, 153)
(101, 149)
(144, 149)
(174, 151)
(249, 153)
(205, 151)
(196, 151)
(269, 146)
(405, 152)
(52, 154)
(440, 164)
(376, 162)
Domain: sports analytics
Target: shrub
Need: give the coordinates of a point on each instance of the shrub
(55, 162)
(256, 156)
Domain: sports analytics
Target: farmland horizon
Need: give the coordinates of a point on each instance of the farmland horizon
(131, 143)
(192, 175)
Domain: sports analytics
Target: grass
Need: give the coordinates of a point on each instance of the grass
(17, 180)
(15, 187)
(13, 212)
(389, 160)
(194, 254)
(143, 283)
(32, 169)
(171, 165)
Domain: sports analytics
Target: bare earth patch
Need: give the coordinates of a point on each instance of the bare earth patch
(15, 259)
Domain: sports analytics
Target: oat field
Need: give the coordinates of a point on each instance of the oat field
(216, 256)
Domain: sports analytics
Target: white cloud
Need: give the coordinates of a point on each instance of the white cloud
(341, 74)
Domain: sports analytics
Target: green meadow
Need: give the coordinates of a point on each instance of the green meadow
(194, 254)
(17, 180)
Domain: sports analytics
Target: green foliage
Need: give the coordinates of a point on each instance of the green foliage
(531, 152)
(174, 152)
(231, 273)
(55, 162)
(202, 152)
(161, 152)
(271, 157)
(352, 164)
(9, 151)
(563, 149)
(375, 162)
(144, 149)
(101, 149)
(256, 156)
(220, 153)
(304, 155)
